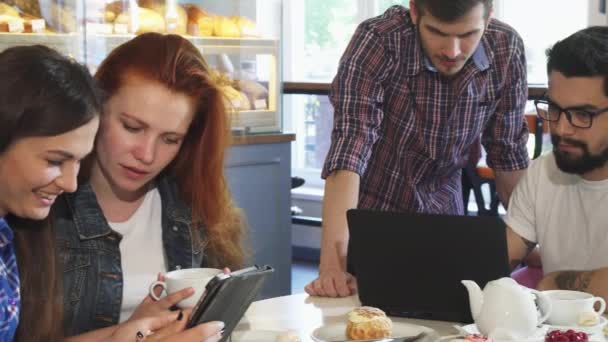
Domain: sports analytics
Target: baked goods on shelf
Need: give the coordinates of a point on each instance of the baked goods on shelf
(256, 93)
(366, 323)
(235, 100)
(146, 20)
(247, 28)
(225, 27)
(200, 22)
(175, 16)
(204, 24)
(11, 20)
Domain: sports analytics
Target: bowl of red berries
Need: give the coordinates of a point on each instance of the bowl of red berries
(566, 336)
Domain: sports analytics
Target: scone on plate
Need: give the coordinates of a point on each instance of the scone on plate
(366, 323)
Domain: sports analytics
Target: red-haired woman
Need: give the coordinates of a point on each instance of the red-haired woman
(153, 197)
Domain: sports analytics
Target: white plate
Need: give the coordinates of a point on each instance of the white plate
(256, 336)
(337, 331)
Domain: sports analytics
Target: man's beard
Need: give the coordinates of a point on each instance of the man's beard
(585, 163)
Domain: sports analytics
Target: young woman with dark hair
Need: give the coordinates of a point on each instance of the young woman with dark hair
(49, 115)
(49, 111)
(153, 196)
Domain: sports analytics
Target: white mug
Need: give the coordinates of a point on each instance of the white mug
(196, 278)
(569, 305)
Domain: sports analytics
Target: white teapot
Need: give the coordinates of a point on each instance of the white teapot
(506, 310)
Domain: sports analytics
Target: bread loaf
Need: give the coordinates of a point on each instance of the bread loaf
(28, 6)
(200, 23)
(247, 28)
(58, 15)
(8, 10)
(112, 10)
(225, 27)
(252, 89)
(181, 20)
(10, 21)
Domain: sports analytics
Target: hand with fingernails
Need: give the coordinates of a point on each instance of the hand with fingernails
(150, 307)
(167, 328)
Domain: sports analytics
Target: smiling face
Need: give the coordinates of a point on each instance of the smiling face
(580, 150)
(35, 170)
(450, 45)
(141, 132)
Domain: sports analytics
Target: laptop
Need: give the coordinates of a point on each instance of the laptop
(411, 265)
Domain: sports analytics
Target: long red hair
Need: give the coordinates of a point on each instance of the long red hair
(199, 165)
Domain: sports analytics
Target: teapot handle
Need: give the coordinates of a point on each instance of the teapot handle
(544, 304)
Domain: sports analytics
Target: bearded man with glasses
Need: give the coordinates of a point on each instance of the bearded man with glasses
(561, 201)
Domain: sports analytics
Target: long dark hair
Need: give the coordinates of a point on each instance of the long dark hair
(42, 93)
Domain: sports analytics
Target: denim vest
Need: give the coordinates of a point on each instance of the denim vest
(90, 256)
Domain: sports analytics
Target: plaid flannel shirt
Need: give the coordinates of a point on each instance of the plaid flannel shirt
(407, 130)
(10, 298)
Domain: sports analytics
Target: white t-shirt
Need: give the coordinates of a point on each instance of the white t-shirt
(141, 237)
(566, 214)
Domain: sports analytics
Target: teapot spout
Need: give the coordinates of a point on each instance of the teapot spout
(475, 297)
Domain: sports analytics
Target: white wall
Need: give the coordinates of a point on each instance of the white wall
(595, 17)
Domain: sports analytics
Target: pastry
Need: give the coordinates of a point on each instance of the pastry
(28, 6)
(252, 89)
(235, 99)
(200, 23)
(365, 323)
(33, 25)
(247, 27)
(8, 23)
(225, 27)
(112, 10)
(588, 319)
(180, 16)
(8, 10)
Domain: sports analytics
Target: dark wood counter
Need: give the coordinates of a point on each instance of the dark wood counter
(255, 139)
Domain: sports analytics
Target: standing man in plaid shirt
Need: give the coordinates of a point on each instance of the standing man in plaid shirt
(414, 91)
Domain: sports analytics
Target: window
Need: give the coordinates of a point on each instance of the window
(316, 33)
(541, 23)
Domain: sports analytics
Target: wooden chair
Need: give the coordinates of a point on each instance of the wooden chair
(474, 176)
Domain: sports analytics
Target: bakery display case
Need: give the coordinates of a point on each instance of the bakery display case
(240, 39)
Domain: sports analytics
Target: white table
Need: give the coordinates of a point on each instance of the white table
(303, 314)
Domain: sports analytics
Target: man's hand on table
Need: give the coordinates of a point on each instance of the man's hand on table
(332, 283)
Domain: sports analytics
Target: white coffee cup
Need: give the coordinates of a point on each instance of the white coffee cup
(569, 305)
(196, 278)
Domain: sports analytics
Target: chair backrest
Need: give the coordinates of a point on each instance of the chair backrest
(537, 124)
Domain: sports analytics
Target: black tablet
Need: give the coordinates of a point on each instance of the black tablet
(227, 297)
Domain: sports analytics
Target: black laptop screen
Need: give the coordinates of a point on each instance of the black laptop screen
(412, 264)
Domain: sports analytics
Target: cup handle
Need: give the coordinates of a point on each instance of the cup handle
(155, 284)
(602, 305)
(543, 303)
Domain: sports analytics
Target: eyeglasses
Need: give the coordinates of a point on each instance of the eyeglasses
(580, 118)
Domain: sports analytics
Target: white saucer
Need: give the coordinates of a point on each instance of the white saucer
(256, 336)
(337, 331)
